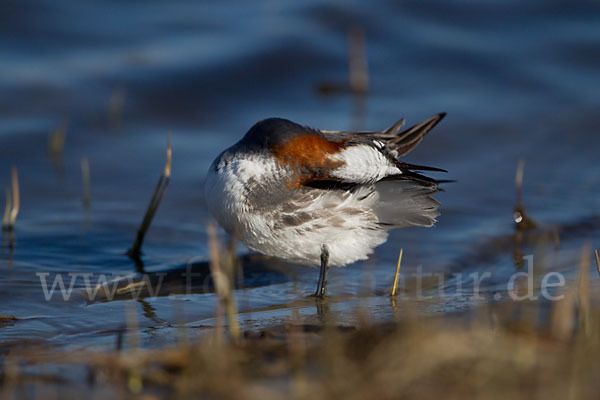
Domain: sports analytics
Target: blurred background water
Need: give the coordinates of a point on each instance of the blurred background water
(517, 79)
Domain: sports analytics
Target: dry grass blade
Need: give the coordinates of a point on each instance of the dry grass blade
(519, 178)
(217, 277)
(358, 69)
(134, 379)
(597, 261)
(563, 314)
(86, 181)
(523, 221)
(56, 144)
(13, 202)
(136, 249)
(583, 289)
(16, 198)
(7, 209)
(357, 61)
(394, 289)
(116, 104)
(222, 270)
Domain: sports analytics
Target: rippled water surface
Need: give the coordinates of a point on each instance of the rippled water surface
(517, 79)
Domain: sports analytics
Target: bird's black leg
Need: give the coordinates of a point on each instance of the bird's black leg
(323, 273)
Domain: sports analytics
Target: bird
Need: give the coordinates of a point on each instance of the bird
(321, 198)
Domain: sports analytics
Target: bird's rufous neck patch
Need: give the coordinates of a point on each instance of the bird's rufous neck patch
(310, 151)
(307, 153)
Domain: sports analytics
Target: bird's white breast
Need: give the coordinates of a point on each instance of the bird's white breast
(228, 189)
(286, 223)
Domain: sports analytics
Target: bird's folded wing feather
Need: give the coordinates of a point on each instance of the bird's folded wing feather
(397, 142)
(368, 157)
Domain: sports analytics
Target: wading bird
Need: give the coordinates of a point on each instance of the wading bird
(317, 197)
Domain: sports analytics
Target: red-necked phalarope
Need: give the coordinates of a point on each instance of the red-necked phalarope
(318, 197)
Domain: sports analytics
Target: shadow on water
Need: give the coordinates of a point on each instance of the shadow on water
(195, 277)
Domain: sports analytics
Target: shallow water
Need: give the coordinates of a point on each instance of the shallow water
(516, 80)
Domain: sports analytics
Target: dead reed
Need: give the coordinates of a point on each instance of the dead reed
(523, 221)
(222, 269)
(13, 202)
(86, 182)
(394, 289)
(163, 182)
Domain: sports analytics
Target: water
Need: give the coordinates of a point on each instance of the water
(517, 80)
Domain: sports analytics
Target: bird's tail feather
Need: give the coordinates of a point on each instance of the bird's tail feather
(406, 203)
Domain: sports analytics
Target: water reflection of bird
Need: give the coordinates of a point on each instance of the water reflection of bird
(317, 197)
